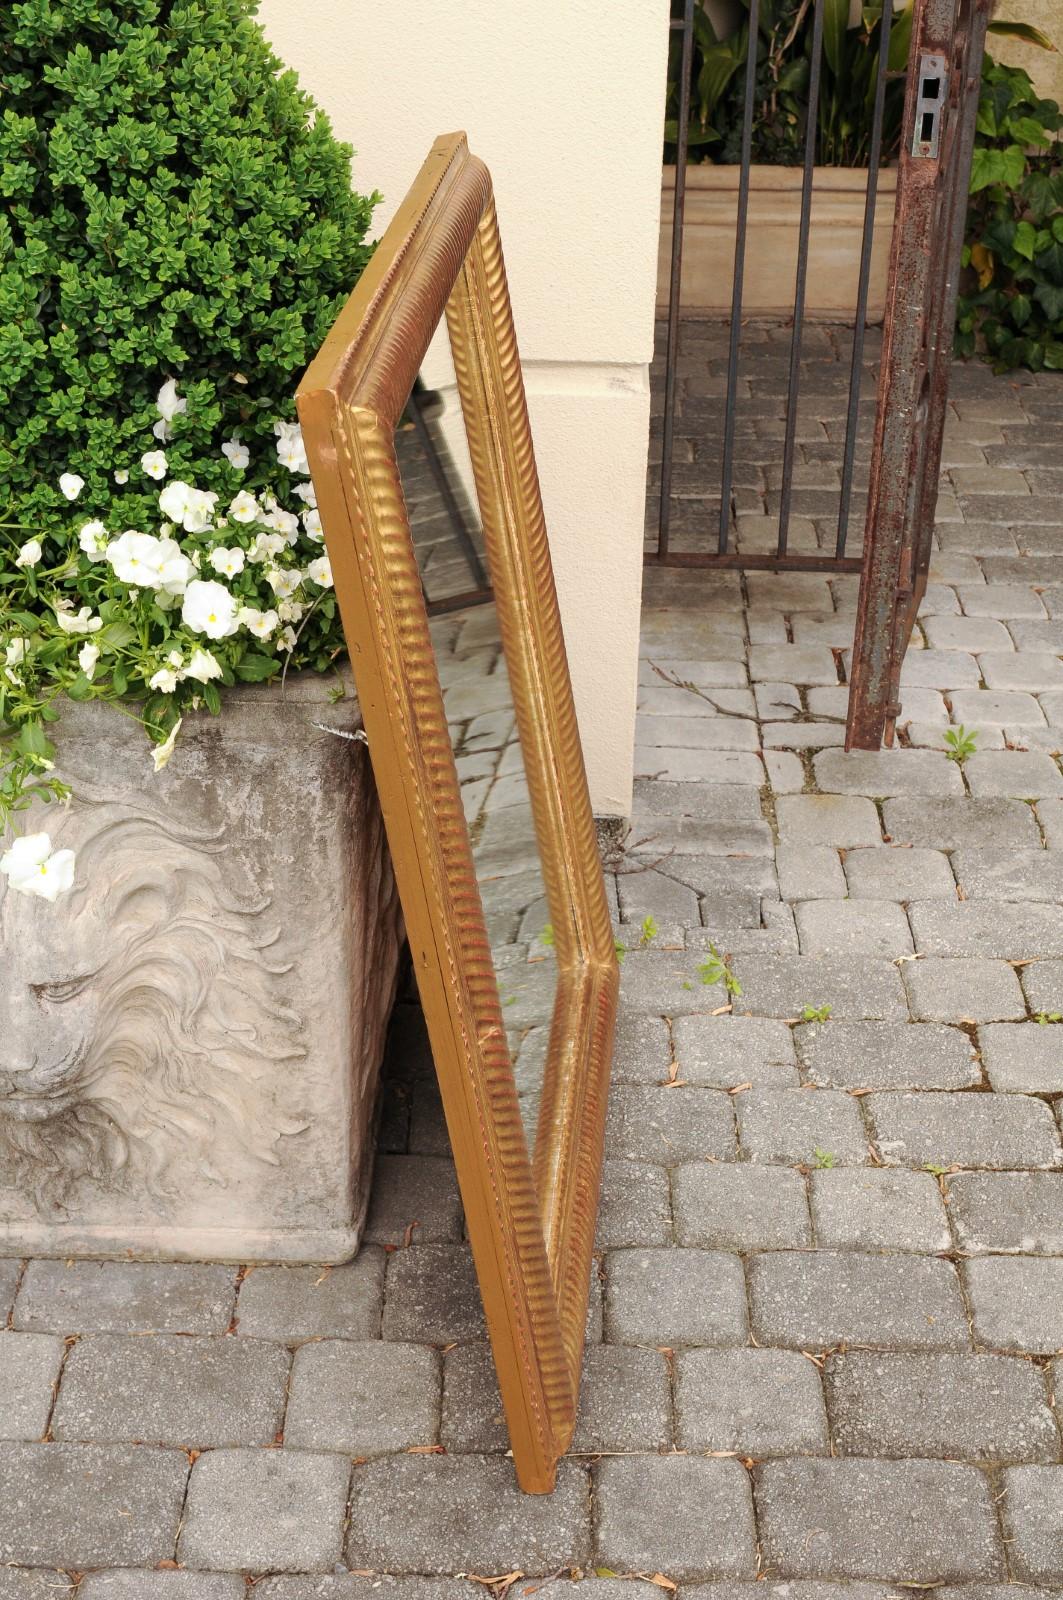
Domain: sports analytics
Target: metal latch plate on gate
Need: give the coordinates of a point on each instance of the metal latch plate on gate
(929, 105)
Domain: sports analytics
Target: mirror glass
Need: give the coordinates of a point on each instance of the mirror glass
(440, 502)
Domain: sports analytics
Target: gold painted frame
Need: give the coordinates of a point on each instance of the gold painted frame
(530, 1219)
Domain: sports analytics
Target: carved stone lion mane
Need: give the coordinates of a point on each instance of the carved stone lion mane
(147, 1016)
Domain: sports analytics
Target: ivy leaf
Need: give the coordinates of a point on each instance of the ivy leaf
(1025, 240)
(997, 166)
(1019, 310)
(1049, 297)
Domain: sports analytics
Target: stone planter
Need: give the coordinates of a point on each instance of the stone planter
(190, 1040)
(837, 221)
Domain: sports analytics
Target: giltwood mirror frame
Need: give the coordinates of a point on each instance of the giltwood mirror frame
(530, 1218)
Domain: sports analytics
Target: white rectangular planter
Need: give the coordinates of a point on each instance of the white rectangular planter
(191, 1038)
(837, 219)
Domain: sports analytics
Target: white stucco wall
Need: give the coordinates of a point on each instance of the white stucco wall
(564, 101)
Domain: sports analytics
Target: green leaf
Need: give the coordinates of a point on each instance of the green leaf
(257, 668)
(33, 741)
(1053, 353)
(1021, 30)
(997, 166)
(1020, 309)
(1025, 240)
(835, 25)
(1049, 297)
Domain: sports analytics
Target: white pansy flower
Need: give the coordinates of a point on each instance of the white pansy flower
(71, 485)
(82, 622)
(168, 405)
(88, 656)
(291, 451)
(93, 539)
(285, 522)
(202, 666)
(266, 546)
(154, 463)
(306, 492)
(321, 572)
(284, 581)
(121, 475)
(290, 610)
(165, 680)
(32, 866)
(173, 501)
(286, 639)
(237, 454)
(209, 608)
(176, 571)
(227, 562)
(15, 652)
(176, 659)
(312, 525)
(162, 752)
(244, 507)
(260, 623)
(192, 508)
(30, 554)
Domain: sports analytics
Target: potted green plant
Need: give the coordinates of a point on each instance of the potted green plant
(199, 928)
(850, 59)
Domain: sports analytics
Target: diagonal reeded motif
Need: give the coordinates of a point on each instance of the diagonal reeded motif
(531, 1221)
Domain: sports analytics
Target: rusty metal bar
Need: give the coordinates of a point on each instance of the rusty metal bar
(755, 563)
(675, 275)
(947, 44)
(856, 369)
(794, 381)
(741, 219)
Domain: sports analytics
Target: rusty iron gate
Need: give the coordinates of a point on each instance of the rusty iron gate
(941, 105)
(941, 102)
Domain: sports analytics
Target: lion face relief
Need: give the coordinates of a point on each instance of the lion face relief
(143, 1017)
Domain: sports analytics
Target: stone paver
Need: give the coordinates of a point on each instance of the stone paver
(878, 1210)
(290, 1304)
(739, 1206)
(883, 1055)
(363, 1399)
(125, 1297)
(265, 1510)
(853, 927)
(724, 1052)
(964, 1130)
(812, 1302)
(89, 1505)
(1033, 1517)
(886, 773)
(1026, 1057)
(644, 1521)
(669, 1124)
(960, 824)
(757, 1402)
(899, 873)
(195, 1392)
(966, 1407)
(901, 1521)
(464, 1514)
(674, 1297)
(946, 989)
(838, 820)
(1017, 1303)
(986, 928)
(851, 988)
(29, 1368)
(1007, 1211)
(793, 1126)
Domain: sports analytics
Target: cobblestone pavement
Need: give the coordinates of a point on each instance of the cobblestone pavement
(826, 1339)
